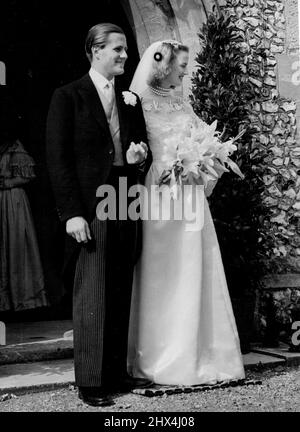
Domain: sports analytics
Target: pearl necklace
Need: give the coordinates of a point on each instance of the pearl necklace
(160, 91)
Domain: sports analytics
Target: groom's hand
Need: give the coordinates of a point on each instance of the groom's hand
(78, 228)
(137, 153)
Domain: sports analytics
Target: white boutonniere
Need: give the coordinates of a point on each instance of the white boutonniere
(129, 98)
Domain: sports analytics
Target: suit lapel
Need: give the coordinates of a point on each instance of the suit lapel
(122, 113)
(93, 102)
(90, 96)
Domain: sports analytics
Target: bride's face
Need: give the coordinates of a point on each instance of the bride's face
(179, 70)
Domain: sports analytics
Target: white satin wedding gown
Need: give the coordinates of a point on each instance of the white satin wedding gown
(182, 328)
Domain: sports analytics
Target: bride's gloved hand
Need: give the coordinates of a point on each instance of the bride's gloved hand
(137, 153)
(208, 190)
(219, 168)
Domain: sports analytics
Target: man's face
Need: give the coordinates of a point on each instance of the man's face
(110, 60)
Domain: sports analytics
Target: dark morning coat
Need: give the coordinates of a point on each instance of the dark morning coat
(80, 150)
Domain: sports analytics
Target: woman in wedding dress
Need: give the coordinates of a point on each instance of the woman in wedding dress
(182, 327)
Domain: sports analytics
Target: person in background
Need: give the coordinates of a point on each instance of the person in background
(21, 273)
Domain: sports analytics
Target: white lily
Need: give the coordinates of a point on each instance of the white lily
(199, 155)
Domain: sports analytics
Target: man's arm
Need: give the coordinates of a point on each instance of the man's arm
(61, 166)
(141, 135)
(61, 158)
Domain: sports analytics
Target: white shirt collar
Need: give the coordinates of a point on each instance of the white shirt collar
(99, 80)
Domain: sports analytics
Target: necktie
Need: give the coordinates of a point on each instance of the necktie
(109, 92)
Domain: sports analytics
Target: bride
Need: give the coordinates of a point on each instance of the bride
(182, 327)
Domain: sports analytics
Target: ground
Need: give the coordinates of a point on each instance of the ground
(279, 391)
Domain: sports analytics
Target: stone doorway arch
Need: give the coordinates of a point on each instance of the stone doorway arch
(154, 20)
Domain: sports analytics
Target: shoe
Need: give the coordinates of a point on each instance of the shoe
(130, 383)
(95, 396)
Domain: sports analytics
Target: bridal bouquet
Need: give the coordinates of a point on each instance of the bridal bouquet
(198, 157)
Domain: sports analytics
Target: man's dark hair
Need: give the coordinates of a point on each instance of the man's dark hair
(97, 35)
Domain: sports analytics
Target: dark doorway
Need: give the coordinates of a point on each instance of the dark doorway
(42, 45)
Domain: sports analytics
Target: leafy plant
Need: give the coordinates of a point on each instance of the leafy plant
(221, 91)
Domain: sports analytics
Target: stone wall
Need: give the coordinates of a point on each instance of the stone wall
(266, 39)
(262, 27)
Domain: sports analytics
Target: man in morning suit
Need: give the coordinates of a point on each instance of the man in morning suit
(90, 128)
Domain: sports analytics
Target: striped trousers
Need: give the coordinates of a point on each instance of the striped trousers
(101, 300)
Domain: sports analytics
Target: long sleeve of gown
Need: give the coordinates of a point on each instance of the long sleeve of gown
(9, 183)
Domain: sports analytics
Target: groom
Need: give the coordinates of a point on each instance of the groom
(90, 128)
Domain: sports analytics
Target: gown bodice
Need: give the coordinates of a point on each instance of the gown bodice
(168, 120)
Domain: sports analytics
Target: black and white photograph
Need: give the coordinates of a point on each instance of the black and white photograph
(150, 209)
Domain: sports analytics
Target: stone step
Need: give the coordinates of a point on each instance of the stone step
(54, 349)
(37, 331)
(253, 360)
(26, 377)
(37, 376)
(40, 355)
(282, 353)
(37, 341)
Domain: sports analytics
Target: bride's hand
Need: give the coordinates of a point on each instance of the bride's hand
(219, 168)
(208, 190)
(137, 153)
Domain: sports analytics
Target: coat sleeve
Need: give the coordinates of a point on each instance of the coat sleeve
(60, 156)
(141, 133)
(10, 183)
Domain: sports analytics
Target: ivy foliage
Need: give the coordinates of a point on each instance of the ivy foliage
(221, 91)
